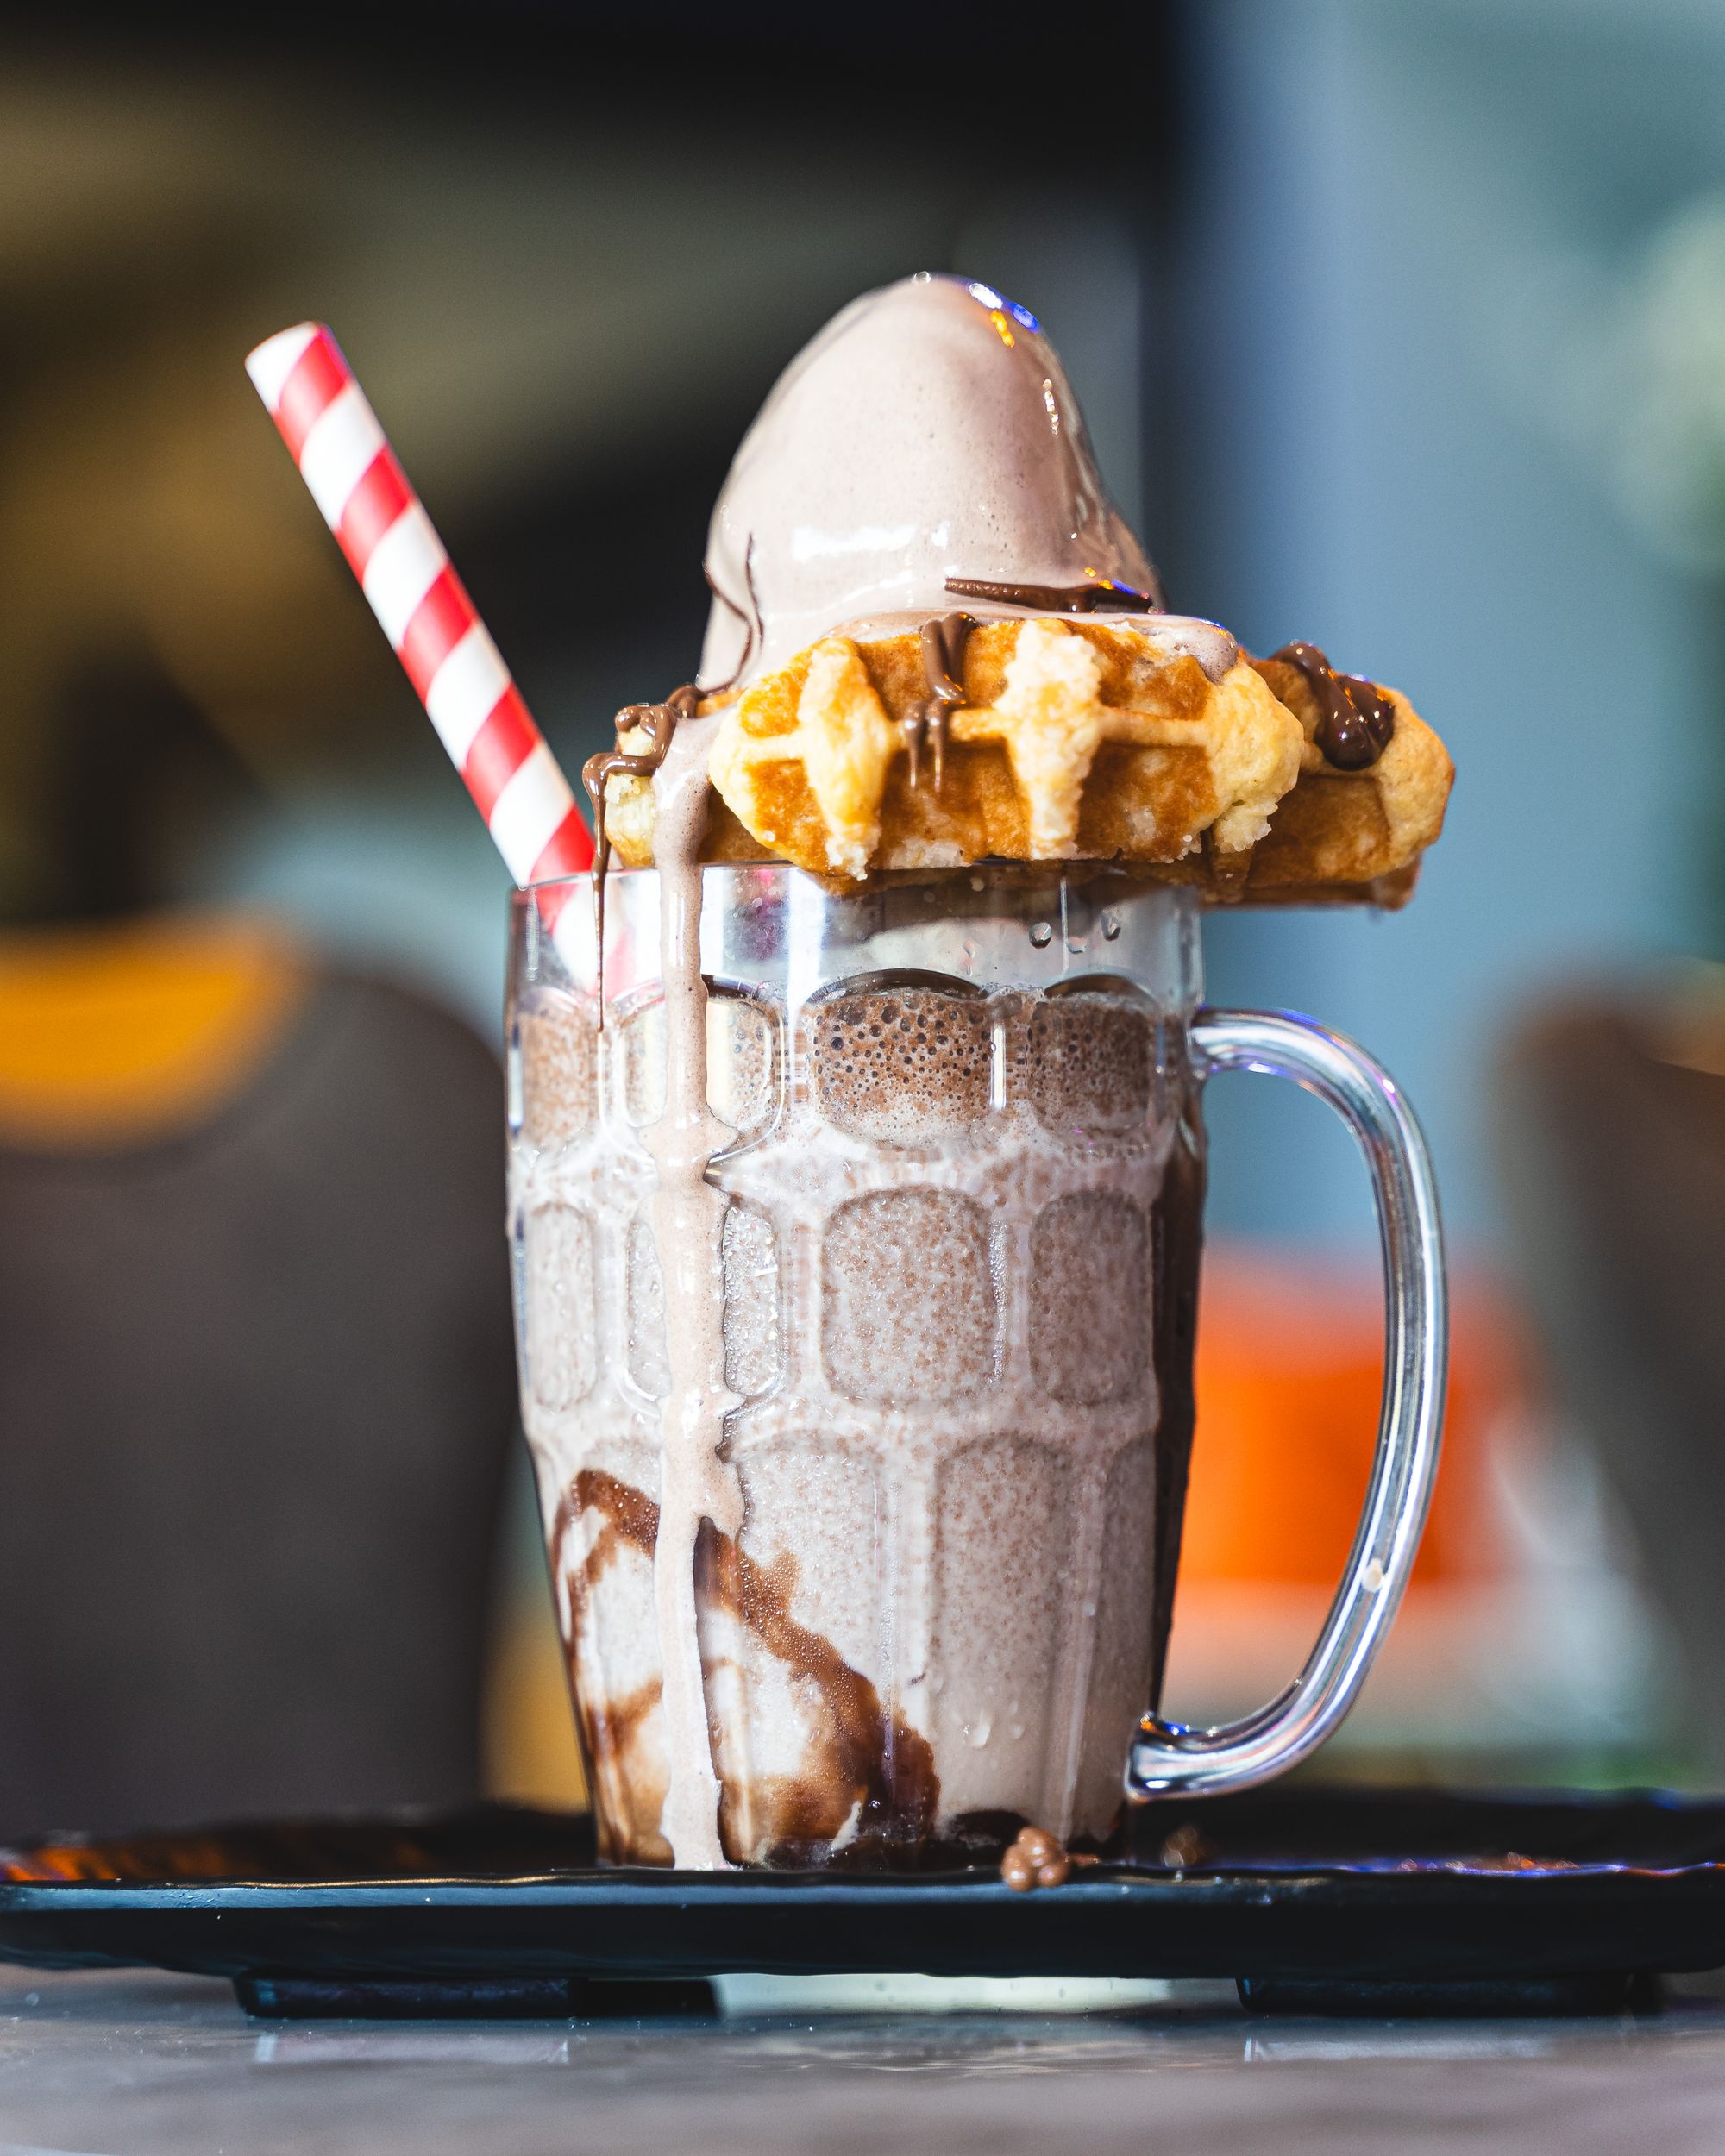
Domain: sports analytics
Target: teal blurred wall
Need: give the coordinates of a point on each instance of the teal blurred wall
(1416, 265)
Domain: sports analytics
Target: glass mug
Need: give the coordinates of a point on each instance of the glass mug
(962, 1162)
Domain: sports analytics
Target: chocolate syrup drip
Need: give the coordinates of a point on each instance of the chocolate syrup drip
(1357, 724)
(753, 629)
(658, 721)
(1097, 595)
(944, 640)
(875, 1763)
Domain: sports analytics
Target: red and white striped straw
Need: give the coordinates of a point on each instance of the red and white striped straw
(334, 438)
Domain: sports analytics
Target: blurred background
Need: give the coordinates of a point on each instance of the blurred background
(1401, 329)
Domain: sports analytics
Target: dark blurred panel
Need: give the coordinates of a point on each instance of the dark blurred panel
(256, 1388)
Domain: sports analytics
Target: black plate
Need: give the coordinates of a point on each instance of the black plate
(1309, 1897)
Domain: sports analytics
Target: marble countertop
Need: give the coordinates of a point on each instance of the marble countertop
(143, 2064)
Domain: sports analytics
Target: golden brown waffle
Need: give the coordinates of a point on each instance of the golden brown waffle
(1076, 741)
(1079, 740)
(1343, 834)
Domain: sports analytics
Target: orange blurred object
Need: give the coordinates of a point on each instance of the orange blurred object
(1288, 1372)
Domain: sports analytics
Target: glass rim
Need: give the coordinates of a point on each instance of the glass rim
(1136, 877)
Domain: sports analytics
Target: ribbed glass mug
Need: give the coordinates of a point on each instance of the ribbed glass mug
(963, 1167)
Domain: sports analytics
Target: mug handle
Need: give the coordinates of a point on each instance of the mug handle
(1167, 1759)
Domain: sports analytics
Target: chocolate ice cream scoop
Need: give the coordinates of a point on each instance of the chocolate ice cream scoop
(927, 433)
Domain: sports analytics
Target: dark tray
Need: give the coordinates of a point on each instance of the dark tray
(1328, 1900)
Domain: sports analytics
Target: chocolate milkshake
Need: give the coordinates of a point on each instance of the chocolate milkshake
(857, 1167)
(954, 1269)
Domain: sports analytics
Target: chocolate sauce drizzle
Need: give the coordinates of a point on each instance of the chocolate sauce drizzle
(658, 721)
(754, 627)
(928, 723)
(1357, 723)
(1096, 595)
(876, 1767)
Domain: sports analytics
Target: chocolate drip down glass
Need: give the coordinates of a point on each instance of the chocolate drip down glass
(961, 1155)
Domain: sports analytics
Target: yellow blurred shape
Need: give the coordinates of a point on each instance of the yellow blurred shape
(529, 1751)
(118, 1034)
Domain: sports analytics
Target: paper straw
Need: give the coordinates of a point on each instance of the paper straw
(433, 628)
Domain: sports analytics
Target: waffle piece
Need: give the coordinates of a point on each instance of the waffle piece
(1076, 741)
(1343, 835)
(1085, 740)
